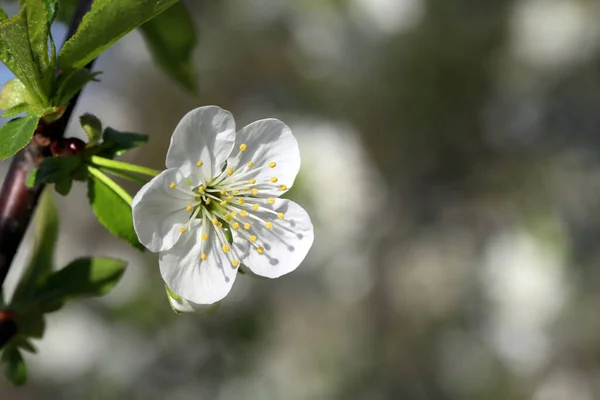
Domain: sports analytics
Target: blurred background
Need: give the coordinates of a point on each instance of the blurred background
(451, 166)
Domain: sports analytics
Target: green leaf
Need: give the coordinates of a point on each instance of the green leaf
(92, 126)
(66, 10)
(171, 38)
(117, 143)
(68, 84)
(112, 206)
(16, 134)
(105, 23)
(54, 169)
(15, 94)
(51, 6)
(14, 365)
(38, 28)
(63, 186)
(46, 235)
(84, 277)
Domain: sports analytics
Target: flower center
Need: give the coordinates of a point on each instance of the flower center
(230, 202)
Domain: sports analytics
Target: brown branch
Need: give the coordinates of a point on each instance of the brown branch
(17, 201)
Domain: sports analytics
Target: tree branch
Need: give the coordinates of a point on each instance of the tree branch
(17, 201)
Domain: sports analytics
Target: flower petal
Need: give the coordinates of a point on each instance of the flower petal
(201, 142)
(264, 142)
(284, 245)
(182, 305)
(196, 280)
(159, 211)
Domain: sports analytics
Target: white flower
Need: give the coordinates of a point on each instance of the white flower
(220, 184)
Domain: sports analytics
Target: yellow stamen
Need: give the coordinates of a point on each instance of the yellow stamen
(243, 147)
(223, 191)
(246, 226)
(182, 229)
(172, 185)
(214, 221)
(229, 198)
(235, 263)
(189, 207)
(280, 216)
(204, 236)
(274, 179)
(235, 226)
(255, 191)
(253, 238)
(235, 191)
(260, 249)
(228, 218)
(219, 224)
(269, 225)
(230, 171)
(246, 189)
(252, 181)
(255, 207)
(233, 213)
(226, 248)
(208, 200)
(244, 213)
(250, 164)
(240, 201)
(272, 164)
(203, 256)
(283, 187)
(270, 200)
(223, 203)
(199, 163)
(201, 189)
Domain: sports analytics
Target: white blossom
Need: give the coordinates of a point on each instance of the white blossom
(220, 185)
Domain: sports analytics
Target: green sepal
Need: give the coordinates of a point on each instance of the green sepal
(63, 186)
(16, 134)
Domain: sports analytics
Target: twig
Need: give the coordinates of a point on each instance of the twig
(17, 201)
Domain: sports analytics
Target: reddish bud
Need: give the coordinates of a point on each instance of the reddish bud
(74, 146)
(57, 147)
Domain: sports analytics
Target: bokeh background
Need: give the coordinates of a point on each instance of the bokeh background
(451, 165)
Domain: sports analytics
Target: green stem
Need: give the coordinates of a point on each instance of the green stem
(110, 183)
(126, 175)
(123, 166)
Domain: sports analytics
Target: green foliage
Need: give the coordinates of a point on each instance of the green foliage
(116, 143)
(14, 365)
(92, 126)
(103, 25)
(51, 6)
(83, 277)
(171, 38)
(112, 206)
(16, 134)
(46, 235)
(68, 84)
(54, 169)
(24, 49)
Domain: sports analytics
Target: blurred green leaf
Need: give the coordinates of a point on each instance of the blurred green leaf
(63, 186)
(38, 30)
(112, 206)
(16, 134)
(14, 365)
(46, 235)
(66, 10)
(117, 143)
(84, 277)
(103, 25)
(171, 38)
